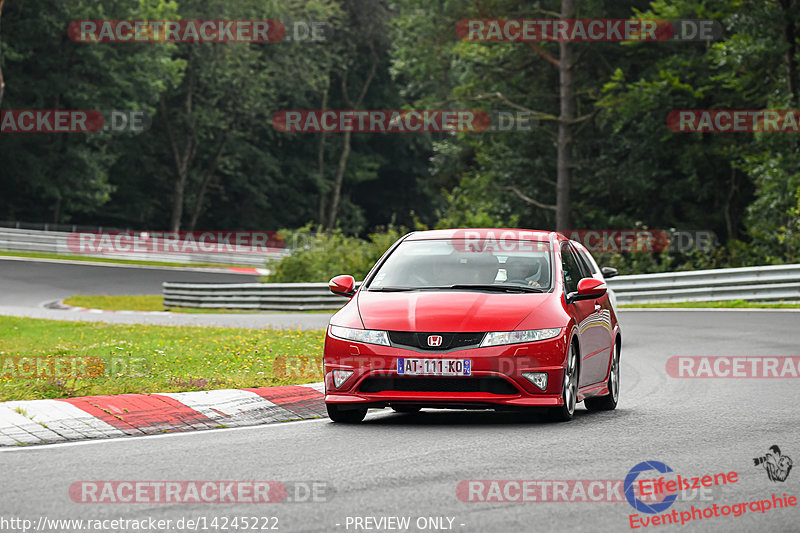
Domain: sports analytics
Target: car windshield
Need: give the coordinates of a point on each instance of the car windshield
(515, 265)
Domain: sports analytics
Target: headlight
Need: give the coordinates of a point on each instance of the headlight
(496, 338)
(369, 336)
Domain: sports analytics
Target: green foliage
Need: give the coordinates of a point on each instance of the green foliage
(59, 177)
(320, 256)
(465, 207)
(628, 169)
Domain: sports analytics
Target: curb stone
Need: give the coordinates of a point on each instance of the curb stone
(93, 417)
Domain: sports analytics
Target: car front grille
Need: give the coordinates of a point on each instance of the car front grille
(491, 385)
(450, 341)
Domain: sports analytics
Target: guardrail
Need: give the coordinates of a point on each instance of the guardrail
(766, 283)
(254, 296)
(55, 242)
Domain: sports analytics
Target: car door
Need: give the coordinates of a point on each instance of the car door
(582, 311)
(598, 330)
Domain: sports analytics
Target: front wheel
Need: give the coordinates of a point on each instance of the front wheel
(609, 401)
(569, 391)
(345, 416)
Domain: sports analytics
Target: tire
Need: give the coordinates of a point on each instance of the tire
(405, 409)
(569, 389)
(345, 416)
(609, 401)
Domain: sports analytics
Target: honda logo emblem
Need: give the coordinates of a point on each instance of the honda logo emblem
(434, 340)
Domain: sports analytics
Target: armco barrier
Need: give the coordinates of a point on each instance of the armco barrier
(55, 242)
(768, 283)
(764, 283)
(256, 296)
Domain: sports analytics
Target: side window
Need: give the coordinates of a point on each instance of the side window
(588, 269)
(572, 271)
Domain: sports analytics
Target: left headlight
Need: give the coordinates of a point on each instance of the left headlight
(368, 336)
(496, 338)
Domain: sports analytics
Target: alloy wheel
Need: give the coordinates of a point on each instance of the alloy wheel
(571, 380)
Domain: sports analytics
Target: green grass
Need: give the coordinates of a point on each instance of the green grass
(149, 302)
(55, 359)
(70, 257)
(139, 302)
(729, 304)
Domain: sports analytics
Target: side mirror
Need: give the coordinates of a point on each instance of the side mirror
(343, 285)
(588, 289)
(609, 272)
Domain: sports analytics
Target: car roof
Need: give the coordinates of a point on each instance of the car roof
(482, 233)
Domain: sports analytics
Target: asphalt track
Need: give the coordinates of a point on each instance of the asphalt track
(410, 465)
(27, 285)
(33, 282)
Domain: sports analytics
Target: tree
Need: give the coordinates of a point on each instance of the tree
(740, 185)
(2, 81)
(58, 177)
(565, 120)
(360, 47)
(227, 88)
(511, 77)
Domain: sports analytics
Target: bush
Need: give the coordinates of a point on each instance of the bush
(317, 257)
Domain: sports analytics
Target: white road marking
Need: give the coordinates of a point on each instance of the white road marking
(157, 436)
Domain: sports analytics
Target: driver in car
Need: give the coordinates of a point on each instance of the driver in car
(524, 271)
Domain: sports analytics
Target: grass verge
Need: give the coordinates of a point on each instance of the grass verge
(112, 260)
(55, 359)
(150, 302)
(729, 304)
(127, 302)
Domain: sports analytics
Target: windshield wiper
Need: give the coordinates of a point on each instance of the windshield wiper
(403, 289)
(496, 288)
(462, 287)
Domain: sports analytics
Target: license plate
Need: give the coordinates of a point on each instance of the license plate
(434, 367)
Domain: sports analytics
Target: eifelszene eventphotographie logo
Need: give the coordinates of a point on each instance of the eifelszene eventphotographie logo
(777, 465)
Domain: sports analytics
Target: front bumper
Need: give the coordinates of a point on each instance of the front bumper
(493, 363)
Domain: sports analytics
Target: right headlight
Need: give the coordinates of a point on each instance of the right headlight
(497, 338)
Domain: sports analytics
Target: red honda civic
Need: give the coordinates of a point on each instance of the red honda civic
(474, 319)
